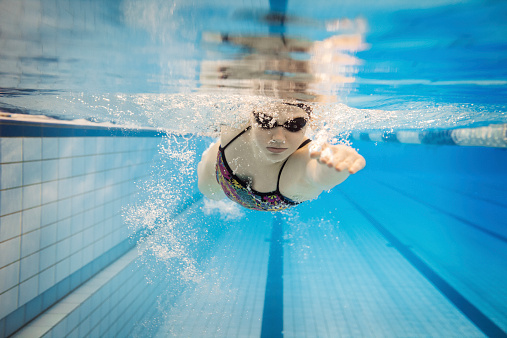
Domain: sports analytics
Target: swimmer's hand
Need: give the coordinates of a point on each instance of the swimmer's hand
(340, 157)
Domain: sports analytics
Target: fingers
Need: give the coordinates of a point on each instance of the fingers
(315, 154)
(357, 165)
(340, 158)
(328, 157)
(316, 151)
(343, 165)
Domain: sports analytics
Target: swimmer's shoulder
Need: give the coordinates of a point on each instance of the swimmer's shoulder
(293, 182)
(296, 164)
(228, 133)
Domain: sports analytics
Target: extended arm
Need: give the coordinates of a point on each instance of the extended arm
(314, 171)
(332, 165)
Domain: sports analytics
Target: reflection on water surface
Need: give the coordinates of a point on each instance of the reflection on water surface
(424, 65)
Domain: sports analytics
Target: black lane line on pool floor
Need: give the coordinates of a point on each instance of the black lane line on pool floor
(480, 320)
(272, 316)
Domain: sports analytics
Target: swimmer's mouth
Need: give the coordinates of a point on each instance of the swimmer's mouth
(276, 150)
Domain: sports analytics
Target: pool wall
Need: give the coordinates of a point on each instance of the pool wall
(63, 239)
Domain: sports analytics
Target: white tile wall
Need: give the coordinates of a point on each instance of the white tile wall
(9, 301)
(9, 276)
(10, 201)
(10, 226)
(32, 148)
(10, 250)
(60, 207)
(11, 150)
(10, 176)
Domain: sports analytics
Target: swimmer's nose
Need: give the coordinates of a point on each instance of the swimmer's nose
(278, 135)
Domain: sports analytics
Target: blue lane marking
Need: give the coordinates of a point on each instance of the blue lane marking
(272, 317)
(486, 325)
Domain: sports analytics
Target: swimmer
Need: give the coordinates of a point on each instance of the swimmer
(267, 164)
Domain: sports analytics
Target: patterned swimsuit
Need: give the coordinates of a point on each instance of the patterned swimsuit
(241, 192)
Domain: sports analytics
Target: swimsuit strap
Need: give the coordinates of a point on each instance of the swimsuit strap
(234, 139)
(304, 143)
(283, 165)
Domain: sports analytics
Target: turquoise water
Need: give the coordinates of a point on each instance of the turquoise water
(414, 245)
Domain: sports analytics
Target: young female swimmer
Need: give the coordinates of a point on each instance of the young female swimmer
(267, 164)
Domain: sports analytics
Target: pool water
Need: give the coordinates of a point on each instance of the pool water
(105, 109)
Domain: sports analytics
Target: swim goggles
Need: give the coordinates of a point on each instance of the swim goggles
(269, 122)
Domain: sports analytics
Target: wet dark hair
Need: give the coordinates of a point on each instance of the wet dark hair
(308, 109)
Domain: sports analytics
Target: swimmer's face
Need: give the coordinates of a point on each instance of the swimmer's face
(273, 130)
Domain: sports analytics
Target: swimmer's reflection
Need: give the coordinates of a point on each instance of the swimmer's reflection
(266, 65)
(267, 164)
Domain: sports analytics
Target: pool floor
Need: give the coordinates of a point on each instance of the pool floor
(412, 246)
(340, 278)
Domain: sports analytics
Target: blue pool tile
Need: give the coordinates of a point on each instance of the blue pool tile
(62, 287)
(2, 327)
(76, 278)
(28, 290)
(49, 297)
(60, 329)
(46, 279)
(95, 332)
(72, 320)
(87, 271)
(84, 326)
(14, 320)
(33, 308)
(73, 334)
(76, 261)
